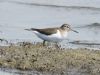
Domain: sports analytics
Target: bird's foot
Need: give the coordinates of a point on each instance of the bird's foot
(57, 46)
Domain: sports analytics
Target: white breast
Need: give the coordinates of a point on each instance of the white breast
(64, 35)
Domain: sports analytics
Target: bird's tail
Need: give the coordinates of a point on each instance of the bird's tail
(31, 29)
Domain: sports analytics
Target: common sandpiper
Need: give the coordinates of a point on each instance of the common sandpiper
(56, 34)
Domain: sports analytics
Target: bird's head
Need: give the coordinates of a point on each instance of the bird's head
(67, 27)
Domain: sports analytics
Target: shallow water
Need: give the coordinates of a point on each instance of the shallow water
(18, 15)
(83, 16)
(7, 71)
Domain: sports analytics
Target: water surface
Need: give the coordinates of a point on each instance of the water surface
(83, 16)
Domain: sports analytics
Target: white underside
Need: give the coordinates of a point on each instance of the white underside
(54, 37)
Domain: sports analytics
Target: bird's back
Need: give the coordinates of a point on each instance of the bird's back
(47, 31)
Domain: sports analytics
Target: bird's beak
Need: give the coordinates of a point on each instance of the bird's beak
(74, 31)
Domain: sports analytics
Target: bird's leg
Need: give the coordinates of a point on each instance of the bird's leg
(57, 46)
(44, 42)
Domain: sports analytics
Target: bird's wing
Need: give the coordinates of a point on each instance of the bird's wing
(47, 31)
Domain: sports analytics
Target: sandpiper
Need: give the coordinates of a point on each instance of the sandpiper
(53, 34)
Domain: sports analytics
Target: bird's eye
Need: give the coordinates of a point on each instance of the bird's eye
(66, 26)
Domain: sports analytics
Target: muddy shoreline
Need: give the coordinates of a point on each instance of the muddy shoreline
(50, 61)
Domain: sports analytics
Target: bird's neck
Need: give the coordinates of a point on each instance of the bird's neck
(63, 31)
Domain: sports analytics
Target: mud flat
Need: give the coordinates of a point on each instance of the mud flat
(50, 61)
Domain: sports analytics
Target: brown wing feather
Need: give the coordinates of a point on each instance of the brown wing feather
(47, 31)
